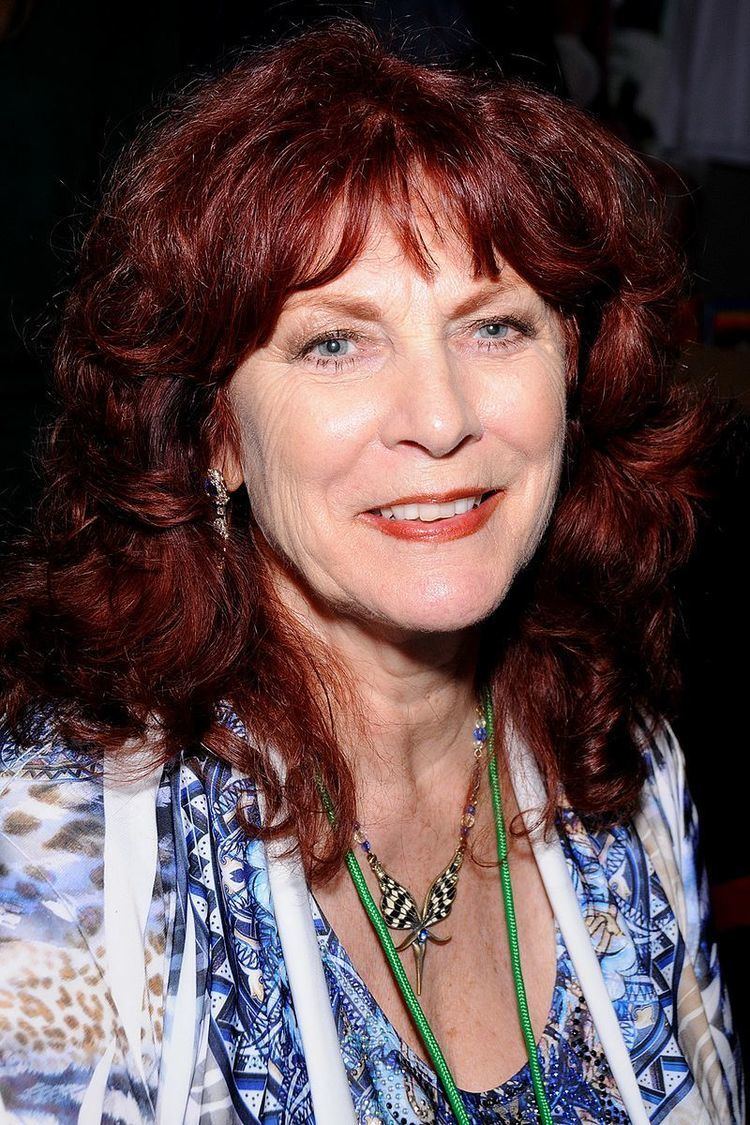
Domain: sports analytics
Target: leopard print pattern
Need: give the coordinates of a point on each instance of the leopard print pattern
(55, 1005)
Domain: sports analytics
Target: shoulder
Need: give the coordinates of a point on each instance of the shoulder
(61, 982)
(51, 810)
(41, 754)
(666, 796)
(660, 747)
(668, 829)
(52, 998)
(51, 828)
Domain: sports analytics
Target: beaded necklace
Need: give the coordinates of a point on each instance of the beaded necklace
(398, 905)
(381, 929)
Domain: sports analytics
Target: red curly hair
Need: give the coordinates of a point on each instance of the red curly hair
(120, 609)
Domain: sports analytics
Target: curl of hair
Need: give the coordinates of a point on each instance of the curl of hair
(119, 606)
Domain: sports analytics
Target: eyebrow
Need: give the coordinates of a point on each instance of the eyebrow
(368, 310)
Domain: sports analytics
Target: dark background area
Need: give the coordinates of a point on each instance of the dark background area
(77, 77)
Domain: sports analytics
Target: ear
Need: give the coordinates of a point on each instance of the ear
(231, 467)
(226, 441)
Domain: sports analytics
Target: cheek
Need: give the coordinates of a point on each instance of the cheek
(271, 430)
(300, 443)
(267, 444)
(529, 417)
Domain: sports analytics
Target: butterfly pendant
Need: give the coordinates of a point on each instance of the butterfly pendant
(402, 913)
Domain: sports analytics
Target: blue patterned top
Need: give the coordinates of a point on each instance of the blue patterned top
(89, 1001)
(384, 1070)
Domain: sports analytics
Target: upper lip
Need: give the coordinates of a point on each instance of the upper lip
(435, 497)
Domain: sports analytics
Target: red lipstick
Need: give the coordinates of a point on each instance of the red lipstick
(436, 497)
(439, 531)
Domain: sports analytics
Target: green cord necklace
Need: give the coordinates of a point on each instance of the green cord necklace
(415, 1008)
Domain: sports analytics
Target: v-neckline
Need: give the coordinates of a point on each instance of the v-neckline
(521, 1077)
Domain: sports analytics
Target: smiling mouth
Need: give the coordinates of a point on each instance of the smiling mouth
(433, 510)
(435, 519)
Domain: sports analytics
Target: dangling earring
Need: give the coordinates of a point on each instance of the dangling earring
(216, 487)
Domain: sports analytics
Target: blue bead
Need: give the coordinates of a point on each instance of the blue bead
(471, 809)
(423, 935)
(480, 733)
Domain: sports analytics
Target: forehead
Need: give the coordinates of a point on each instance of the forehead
(448, 264)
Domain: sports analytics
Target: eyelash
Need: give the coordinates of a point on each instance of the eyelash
(524, 327)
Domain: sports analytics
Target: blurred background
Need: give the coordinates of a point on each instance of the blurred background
(672, 77)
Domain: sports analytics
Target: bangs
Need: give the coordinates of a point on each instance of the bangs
(407, 186)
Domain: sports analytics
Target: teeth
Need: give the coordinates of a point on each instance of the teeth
(428, 513)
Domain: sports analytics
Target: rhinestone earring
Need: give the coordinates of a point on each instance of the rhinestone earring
(216, 488)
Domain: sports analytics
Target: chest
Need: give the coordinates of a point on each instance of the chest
(468, 994)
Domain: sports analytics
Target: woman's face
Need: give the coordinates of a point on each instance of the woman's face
(383, 407)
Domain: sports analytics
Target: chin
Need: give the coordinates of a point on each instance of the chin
(442, 606)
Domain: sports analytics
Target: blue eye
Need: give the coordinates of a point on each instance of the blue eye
(333, 347)
(497, 330)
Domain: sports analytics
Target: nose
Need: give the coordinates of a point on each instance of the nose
(431, 404)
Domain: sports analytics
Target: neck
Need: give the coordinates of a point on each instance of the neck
(417, 700)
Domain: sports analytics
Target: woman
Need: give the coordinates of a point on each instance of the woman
(365, 424)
